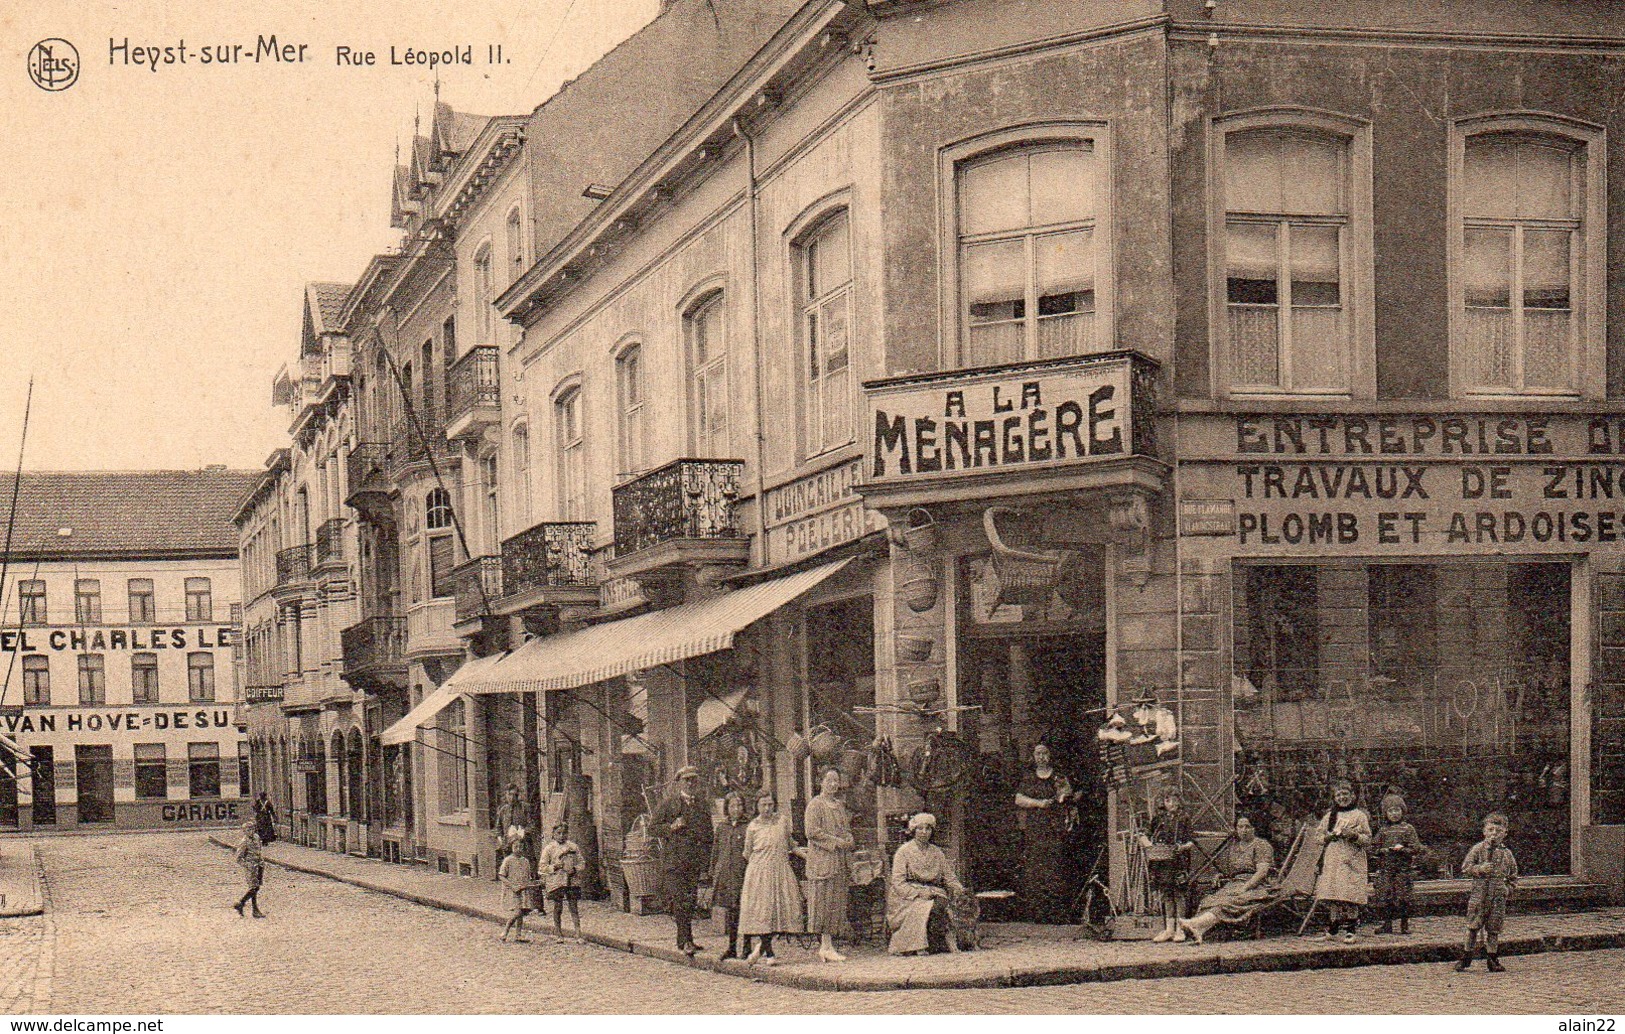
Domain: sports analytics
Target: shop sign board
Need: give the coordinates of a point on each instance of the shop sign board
(816, 513)
(102, 639)
(1026, 418)
(1361, 484)
(131, 721)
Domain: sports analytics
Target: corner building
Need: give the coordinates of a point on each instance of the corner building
(997, 369)
(120, 651)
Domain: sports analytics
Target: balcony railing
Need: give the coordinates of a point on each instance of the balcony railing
(552, 554)
(685, 499)
(472, 388)
(374, 642)
(477, 586)
(365, 472)
(330, 541)
(293, 564)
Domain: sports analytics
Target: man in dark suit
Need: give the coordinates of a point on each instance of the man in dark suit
(683, 824)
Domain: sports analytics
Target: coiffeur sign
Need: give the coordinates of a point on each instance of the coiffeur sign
(1027, 417)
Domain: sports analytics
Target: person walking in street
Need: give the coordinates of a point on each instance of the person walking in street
(518, 881)
(1341, 884)
(683, 824)
(1493, 869)
(265, 818)
(512, 823)
(769, 898)
(560, 868)
(728, 868)
(829, 874)
(252, 862)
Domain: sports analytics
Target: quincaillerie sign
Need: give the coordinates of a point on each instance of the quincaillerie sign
(1027, 417)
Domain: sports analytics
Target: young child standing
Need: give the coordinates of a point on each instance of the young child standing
(560, 866)
(1397, 848)
(1494, 872)
(1341, 884)
(1167, 848)
(518, 881)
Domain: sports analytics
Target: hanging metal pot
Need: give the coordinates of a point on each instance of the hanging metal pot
(919, 588)
(913, 649)
(921, 534)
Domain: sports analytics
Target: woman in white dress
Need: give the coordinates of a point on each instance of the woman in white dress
(770, 898)
(920, 910)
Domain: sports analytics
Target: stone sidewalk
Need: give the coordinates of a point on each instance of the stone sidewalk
(20, 892)
(1002, 962)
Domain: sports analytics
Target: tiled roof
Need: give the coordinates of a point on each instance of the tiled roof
(602, 124)
(455, 130)
(124, 511)
(327, 304)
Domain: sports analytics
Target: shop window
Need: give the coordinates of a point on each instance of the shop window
(200, 677)
(1525, 269)
(200, 599)
(143, 610)
(453, 759)
(92, 678)
(203, 769)
(708, 377)
(36, 679)
(87, 601)
(824, 260)
(1449, 682)
(629, 386)
(31, 601)
(150, 779)
(144, 678)
(1291, 218)
(1030, 243)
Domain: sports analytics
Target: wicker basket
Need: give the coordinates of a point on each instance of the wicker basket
(642, 877)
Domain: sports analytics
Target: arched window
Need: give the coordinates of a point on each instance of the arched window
(1527, 263)
(516, 243)
(707, 339)
(824, 289)
(629, 389)
(1029, 258)
(484, 294)
(570, 441)
(437, 509)
(439, 542)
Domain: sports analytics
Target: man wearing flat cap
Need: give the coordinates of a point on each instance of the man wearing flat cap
(683, 824)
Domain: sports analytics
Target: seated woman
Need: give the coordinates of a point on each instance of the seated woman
(1245, 866)
(920, 910)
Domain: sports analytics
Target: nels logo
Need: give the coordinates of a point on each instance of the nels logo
(53, 64)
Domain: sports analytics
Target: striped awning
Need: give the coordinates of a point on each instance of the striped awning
(406, 730)
(631, 644)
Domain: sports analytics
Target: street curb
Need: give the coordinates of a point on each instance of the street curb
(1319, 957)
(29, 904)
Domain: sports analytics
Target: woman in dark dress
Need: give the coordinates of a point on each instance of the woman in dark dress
(1045, 871)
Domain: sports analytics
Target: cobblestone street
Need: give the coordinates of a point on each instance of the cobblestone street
(142, 924)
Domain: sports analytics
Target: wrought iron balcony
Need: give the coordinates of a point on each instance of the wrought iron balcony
(473, 393)
(684, 500)
(293, 564)
(551, 555)
(330, 542)
(375, 648)
(477, 586)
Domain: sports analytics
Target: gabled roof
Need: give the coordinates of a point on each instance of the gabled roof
(453, 131)
(124, 512)
(660, 76)
(325, 302)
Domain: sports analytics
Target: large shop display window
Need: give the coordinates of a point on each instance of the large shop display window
(1448, 682)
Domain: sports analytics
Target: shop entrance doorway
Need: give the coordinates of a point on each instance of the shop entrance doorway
(93, 775)
(1038, 674)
